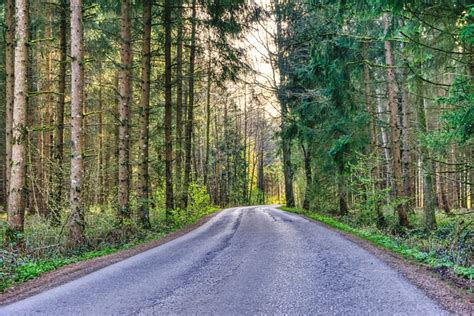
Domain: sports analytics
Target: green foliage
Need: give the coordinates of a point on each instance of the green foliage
(467, 30)
(459, 122)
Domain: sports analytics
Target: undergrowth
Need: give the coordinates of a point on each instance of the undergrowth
(45, 245)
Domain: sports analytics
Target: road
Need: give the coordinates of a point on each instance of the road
(252, 260)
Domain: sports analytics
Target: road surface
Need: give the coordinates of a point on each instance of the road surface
(252, 260)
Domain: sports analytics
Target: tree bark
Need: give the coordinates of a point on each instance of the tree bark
(124, 109)
(17, 188)
(145, 115)
(308, 175)
(59, 146)
(287, 168)
(190, 118)
(168, 110)
(179, 101)
(208, 111)
(394, 128)
(374, 148)
(405, 127)
(427, 168)
(9, 89)
(76, 219)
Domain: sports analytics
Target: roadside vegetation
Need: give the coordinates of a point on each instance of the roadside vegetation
(45, 246)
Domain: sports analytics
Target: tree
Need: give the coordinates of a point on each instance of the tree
(124, 109)
(145, 114)
(16, 194)
(394, 126)
(76, 217)
(179, 100)
(190, 116)
(168, 109)
(59, 146)
(282, 97)
(9, 87)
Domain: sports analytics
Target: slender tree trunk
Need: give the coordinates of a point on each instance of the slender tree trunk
(145, 114)
(208, 112)
(427, 168)
(374, 148)
(260, 172)
(287, 168)
(308, 175)
(124, 110)
(405, 127)
(190, 118)
(245, 159)
(394, 128)
(179, 102)
(59, 146)
(76, 219)
(168, 109)
(9, 89)
(17, 188)
(100, 147)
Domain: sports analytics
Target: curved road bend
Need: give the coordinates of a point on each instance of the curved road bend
(246, 260)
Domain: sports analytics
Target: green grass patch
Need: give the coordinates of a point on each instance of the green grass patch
(390, 243)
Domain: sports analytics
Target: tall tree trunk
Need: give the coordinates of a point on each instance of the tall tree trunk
(124, 110)
(261, 172)
(9, 89)
(308, 175)
(190, 118)
(394, 128)
(179, 101)
(76, 219)
(374, 148)
(208, 111)
(245, 150)
(287, 168)
(100, 147)
(168, 109)
(427, 168)
(145, 114)
(59, 146)
(405, 127)
(17, 188)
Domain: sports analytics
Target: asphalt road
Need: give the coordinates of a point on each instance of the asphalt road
(254, 260)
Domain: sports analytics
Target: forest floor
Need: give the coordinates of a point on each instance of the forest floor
(252, 259)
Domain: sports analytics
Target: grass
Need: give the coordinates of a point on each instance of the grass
(386, 241)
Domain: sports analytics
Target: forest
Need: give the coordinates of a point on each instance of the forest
(122, 121)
